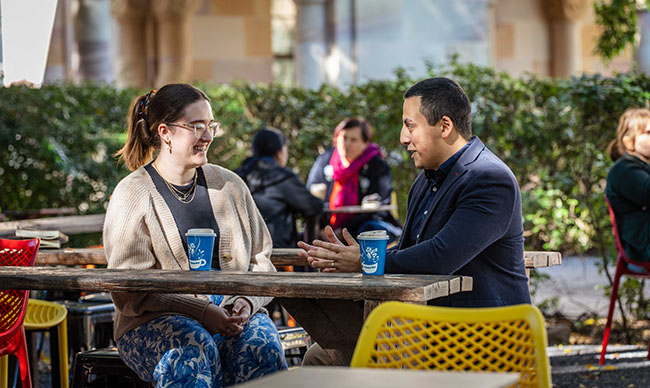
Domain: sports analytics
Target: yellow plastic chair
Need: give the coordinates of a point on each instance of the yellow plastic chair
(43, 315)
(499, 339)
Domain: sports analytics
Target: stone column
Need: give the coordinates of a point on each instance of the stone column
(566, 47)
(93, 35)
(173, 39)
(644, 44)
(131, 19)
(311, 42)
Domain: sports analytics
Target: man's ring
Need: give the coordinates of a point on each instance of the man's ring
(332, 265)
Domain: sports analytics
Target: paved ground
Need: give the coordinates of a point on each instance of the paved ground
(579, 287)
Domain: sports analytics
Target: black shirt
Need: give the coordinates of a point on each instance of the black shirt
(195, 214)
(435, 179)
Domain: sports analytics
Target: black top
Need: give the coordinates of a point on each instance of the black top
(278, 194)
(628, 191)
(435, 178)
(374, 177)
(195, 214)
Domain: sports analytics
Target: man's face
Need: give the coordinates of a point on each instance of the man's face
(421, 139)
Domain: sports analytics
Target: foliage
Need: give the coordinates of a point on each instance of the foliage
(618, 19)
(57, 142)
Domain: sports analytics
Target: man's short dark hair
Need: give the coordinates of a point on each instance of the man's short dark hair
(443, 97)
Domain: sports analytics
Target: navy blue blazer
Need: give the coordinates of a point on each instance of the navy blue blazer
(474, 228)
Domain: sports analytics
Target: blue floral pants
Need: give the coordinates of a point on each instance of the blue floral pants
(176, 351)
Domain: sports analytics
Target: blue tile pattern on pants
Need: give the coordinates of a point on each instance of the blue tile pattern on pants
(176, 351)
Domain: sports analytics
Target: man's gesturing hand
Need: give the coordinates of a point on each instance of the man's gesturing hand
(333, 256)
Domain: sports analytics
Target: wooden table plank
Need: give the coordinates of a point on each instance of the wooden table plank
(538, 259)
(279, 257)
(281, 284)
(96, 256)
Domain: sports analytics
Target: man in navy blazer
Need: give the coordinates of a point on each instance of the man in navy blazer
(464, 209)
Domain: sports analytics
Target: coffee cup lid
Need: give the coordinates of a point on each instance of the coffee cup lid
(373, 235)
(200, 232)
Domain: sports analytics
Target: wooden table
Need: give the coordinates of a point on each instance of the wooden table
(91, 223)
(328, 377)
(96, 256)
(330, 306)
(279, 257)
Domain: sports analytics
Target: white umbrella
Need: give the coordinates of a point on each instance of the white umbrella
(26, 29)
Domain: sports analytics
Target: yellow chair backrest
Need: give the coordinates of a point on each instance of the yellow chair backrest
(492, 339)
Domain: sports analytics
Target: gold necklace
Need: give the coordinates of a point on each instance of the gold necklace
(180, 195)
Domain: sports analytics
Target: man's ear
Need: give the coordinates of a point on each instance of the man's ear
(447, 127)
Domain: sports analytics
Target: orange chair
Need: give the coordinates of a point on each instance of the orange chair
(13, 304)
(622, 262)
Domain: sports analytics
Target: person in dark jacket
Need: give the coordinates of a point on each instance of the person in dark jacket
(277, 191)
(628, 183)
(351, 172)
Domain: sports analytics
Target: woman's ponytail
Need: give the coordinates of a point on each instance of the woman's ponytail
(141, 141)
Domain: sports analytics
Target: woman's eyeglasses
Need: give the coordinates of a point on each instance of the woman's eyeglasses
(214, 128)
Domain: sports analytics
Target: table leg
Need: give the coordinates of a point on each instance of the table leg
(334, 323)
(368, 306)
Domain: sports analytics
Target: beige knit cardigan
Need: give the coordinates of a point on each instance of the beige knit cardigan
(140, 233)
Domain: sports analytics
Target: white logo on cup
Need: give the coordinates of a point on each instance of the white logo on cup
(372, 260)
(196, 255)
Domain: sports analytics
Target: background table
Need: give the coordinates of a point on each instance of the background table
(331, 377)
(279, 257)
(360, 209)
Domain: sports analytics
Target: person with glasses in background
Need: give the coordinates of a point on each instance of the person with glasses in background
(186, 340)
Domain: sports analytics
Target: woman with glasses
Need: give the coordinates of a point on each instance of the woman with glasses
(186, 340)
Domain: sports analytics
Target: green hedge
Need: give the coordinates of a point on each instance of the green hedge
(57, 142)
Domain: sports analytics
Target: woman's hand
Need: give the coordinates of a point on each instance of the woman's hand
(242, 308)
(217, 321)
(333, 256)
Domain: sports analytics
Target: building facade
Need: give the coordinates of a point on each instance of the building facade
(148, 43)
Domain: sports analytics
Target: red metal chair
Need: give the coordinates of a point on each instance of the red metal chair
(622, 262)
(13, 304)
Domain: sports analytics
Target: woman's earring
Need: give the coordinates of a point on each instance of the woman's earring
(169, 145)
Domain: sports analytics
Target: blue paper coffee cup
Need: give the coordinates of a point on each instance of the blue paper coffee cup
(200, 245)
(372, 245)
